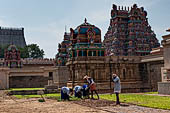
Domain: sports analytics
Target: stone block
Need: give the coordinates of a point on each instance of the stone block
(164, 88)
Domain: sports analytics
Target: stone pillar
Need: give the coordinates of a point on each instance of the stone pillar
(4, 78)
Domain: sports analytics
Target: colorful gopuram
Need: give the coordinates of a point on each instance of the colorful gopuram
(86, 41)
(12, 57)
(129, 33)
(62, 55)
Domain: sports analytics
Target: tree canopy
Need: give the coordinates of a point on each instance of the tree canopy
(29, 51)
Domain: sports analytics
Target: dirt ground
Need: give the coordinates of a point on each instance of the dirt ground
(13, 105)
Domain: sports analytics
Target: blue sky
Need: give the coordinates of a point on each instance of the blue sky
(45, 20)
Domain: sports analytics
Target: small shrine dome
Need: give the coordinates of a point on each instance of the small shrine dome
(83, 28)
(12, 47)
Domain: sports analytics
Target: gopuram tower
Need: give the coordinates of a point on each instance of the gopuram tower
(129, 33)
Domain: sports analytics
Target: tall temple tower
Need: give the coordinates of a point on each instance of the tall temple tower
(129, 33)
(13, 36)
(62, 55)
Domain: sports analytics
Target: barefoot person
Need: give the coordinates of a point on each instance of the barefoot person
(117, 87)
(91, 85)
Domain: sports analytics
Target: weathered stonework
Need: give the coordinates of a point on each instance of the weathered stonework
(164, 85)
(34, 73)
(60, 79)
(134, 76)
(10, 36)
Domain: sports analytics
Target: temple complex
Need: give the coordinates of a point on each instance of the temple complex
(13, 36)
(130, 49)
(129, 33)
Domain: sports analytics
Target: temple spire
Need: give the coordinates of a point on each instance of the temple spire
(85, 20)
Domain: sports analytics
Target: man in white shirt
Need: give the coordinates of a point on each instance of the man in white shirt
(117, 87)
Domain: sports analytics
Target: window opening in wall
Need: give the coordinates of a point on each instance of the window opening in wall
(124, 72)
(50, 75)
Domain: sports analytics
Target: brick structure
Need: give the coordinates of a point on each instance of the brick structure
(10, 36)
(129, 33)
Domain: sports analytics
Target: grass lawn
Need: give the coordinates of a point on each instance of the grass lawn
(152, 101)
(16, 89)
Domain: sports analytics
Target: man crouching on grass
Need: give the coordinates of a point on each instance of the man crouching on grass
(117, 87)
(65, 93)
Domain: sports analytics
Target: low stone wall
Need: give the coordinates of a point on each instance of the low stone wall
(27, 81)
(164, 88)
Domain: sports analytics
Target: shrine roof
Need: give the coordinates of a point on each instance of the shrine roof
(83, 28)
(12, 46)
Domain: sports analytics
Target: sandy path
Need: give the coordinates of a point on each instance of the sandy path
(52, 106)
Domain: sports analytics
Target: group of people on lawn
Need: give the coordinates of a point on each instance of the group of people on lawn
(83, 91)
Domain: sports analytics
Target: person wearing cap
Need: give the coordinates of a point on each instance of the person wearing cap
(91, 85)
(117, 87)
(65, 93)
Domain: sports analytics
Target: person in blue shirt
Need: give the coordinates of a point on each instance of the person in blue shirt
(65, 93)
(85, 91)
(117, 87)
(78, 91)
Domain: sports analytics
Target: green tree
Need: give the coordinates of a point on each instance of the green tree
(23, 52)
(29, 51)
(34, 51)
